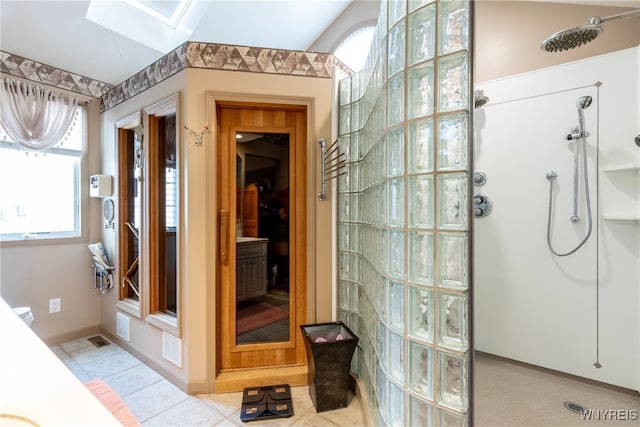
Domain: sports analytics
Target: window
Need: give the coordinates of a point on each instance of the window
(130, 212)
(354, 49)
(40, 192)
(162, 174)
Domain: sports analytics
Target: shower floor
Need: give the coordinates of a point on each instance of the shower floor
(509, 393)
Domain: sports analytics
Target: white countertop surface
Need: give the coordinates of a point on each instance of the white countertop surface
(36, 385)
(251, 239)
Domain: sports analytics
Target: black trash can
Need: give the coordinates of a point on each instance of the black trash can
(330, 347)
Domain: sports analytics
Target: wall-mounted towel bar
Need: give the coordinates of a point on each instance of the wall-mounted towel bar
(332, 164)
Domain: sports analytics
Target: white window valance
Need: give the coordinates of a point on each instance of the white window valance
(35, 117)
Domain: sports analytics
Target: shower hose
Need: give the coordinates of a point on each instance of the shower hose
(586, 189)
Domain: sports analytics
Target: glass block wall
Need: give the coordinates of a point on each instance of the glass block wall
(404, 214)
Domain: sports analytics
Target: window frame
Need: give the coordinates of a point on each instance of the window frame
(157, 314)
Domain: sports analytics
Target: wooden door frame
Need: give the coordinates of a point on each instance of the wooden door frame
(293, 374)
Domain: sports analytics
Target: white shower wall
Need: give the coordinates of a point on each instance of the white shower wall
(562, 313)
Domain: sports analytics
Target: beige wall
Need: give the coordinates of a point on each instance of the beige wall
(508, 35)
(197, 244)
(146, 339)
(33, 272)
(201, 85)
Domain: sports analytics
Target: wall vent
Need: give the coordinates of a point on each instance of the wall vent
(122, 326)
(172, 349)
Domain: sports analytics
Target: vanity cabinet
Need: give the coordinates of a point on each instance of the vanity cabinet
(251, 268)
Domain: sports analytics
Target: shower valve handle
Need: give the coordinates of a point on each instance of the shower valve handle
(576, 133)
(482, 206)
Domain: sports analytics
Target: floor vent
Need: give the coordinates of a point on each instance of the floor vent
(575, 407)
(98, 341)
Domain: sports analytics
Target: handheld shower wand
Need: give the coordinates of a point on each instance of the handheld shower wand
(578, 132)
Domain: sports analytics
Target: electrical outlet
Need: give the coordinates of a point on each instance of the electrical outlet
(55, 305)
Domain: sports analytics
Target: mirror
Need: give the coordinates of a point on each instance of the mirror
(262, 237)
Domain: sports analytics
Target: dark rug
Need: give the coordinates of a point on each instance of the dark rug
(258, 316)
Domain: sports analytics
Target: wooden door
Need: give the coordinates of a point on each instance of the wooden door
(283, 360)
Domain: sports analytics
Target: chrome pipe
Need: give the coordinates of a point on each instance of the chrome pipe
(576, 180)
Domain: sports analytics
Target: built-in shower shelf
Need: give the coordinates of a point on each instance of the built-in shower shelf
(627, 168)
(622, 218)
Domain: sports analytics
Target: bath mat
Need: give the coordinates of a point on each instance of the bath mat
(257, 316)
(113, 402)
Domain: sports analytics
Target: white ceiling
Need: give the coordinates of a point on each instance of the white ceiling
(58, 34)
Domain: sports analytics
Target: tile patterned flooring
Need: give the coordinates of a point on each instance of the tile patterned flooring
(157, 402)
(506, 394)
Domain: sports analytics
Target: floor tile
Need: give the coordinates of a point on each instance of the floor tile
(154, 399)
(132, 379)
(114, 364)
(224, 403)
(73, 366)
(349, 416)
(301, 399)
(57, 350)
(76, 344)
(225, 423)
(312, 419)
(191, 412)
(90, 354)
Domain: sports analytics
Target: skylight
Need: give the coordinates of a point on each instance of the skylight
(160, 25)
(169, 12)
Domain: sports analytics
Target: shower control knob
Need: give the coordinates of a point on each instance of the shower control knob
(482, 206)
(479, 178)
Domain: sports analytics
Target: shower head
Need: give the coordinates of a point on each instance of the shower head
(584, 102)
(571, 38)
(575, 37)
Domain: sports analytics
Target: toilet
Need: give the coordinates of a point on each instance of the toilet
(25, 314)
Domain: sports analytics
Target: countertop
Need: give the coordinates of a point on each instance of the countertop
(37, 386)
(251, 239)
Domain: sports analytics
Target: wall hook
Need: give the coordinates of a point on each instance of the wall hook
(198, 137)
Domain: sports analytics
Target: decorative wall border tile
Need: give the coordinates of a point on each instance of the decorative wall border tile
(188, 55)
(259, 60)
(27, 69)
(165, 67)
(215, 56)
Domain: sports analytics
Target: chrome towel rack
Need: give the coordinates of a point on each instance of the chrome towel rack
(332, 164)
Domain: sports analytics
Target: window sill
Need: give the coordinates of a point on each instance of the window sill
(42, 241)
(129, 306)
(165, 322)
